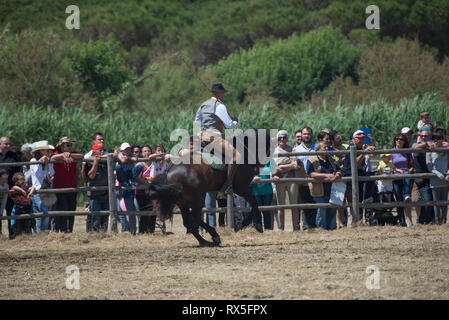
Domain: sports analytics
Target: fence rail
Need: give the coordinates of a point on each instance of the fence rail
(354, 179)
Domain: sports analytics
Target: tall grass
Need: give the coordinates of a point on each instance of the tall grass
(28, 124)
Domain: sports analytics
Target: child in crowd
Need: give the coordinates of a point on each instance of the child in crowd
(425, 123)
(22, 203)
(385, 186)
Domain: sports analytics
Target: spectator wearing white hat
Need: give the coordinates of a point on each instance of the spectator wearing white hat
(409, 134)
(286, 168)
(41, 178)
(125, 176)
(366, 188)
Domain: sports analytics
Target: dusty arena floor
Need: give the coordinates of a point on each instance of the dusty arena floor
(411, 263)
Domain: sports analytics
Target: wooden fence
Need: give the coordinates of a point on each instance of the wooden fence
(354, 179)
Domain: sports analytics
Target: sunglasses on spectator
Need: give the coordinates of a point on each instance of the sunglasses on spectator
(399, 139)
(282, 138)
(68, 144)
(424, 136)
(298, 137)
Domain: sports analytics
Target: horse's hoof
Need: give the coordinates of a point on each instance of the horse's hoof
(207, 244)
(216, 240)
(259, 227)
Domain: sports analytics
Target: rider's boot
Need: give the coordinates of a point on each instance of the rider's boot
(227, 187)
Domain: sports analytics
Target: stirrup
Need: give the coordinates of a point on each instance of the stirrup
(226, 188)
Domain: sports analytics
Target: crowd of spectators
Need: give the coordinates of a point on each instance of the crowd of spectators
(129, 171)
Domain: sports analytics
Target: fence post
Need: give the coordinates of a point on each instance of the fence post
(229, 211)
(355, 185)
(111, 194)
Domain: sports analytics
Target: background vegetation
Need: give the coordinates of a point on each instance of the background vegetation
(132, 69)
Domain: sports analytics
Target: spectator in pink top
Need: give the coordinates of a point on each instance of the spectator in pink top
(142, 172)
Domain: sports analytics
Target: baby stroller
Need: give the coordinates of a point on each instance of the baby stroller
(380, 216)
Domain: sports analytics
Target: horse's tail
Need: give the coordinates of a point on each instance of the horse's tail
(167, 194)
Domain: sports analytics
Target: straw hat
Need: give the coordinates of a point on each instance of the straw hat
(42, 145)
(64, 140)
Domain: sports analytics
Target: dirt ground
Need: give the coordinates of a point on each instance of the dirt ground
(411, 263)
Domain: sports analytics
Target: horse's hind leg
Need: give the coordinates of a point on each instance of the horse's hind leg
(255, 216)
(196, 222)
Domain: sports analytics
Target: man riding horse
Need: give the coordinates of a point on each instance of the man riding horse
(212, 115)
(186, 184)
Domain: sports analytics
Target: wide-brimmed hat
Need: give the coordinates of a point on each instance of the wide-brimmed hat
(64, 140)
(42, 145)
(218, 87)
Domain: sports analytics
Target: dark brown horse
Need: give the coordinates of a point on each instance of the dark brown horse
(186, 185)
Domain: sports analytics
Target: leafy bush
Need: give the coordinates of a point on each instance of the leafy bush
(291, 68)
(100, 68)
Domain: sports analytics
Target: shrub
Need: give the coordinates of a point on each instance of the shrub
(100, 68)
(291, 68)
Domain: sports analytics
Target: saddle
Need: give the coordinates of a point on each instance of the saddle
(214, 161)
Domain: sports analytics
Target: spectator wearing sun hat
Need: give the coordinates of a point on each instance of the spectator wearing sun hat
(66, 176)
(41, 178)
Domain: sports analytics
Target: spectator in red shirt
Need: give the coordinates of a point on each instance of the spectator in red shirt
(66, 176)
